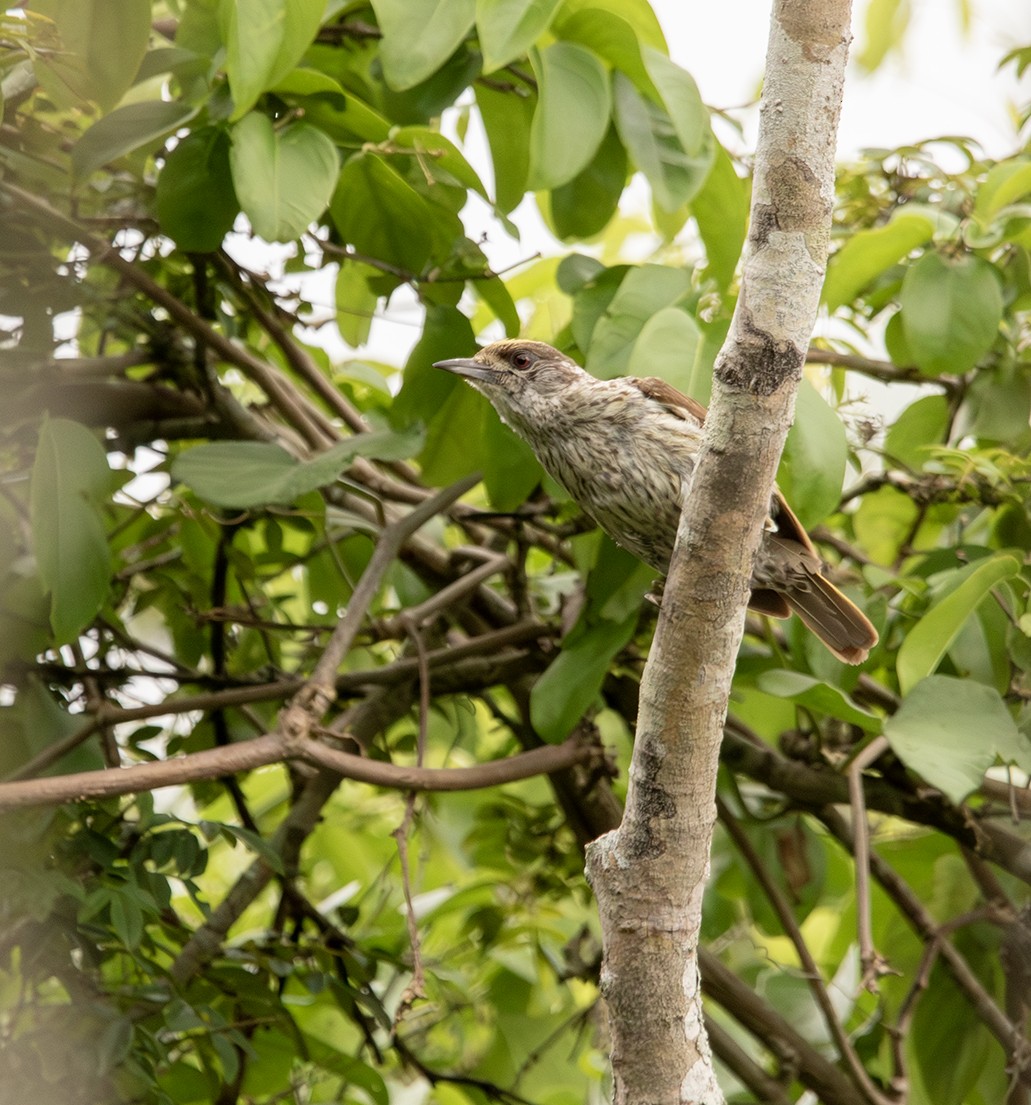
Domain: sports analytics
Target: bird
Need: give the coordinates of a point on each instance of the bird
(624, 449)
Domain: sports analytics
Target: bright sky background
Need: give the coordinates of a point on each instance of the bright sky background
(945, 81)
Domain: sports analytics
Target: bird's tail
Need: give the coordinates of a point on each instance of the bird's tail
(835, 619)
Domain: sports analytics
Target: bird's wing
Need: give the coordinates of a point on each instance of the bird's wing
(674, 401)
(785, 524)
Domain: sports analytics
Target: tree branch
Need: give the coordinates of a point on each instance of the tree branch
(649, 875)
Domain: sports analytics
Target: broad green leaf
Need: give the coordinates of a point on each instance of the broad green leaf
(921, 425)
(612, 38)
(104, 43)
(283, 178)
(455, 434)
(126, 129)
(946, 1022)
(951, 731)
(650, 138)
(510, 469)
(356, 301)
(70, 476)
(245, 474)
(508, 28)
(869, 253)
(572, 115)
(264, 40)
(195, 201)
(346, 118)
(682, 101)
(378, 212)
(929, 640)
(884, 29)
(638, 15)
(951, 310)
(439, 157)
(496, 295)
(564, 693)
(642, 293)
(667, 347)
(817, 695)
(999, 400)
(507, 119)
(884, 523)
(813, 466)
(419, 36)
(1005, 183)
(615, 587)
(721, 210)
(586, 205)
(308, 82)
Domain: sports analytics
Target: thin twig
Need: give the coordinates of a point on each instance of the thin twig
(873, 963)
(810, 969)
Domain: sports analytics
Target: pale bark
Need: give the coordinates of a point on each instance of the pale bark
(649, 875)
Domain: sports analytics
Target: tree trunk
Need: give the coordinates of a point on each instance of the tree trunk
(649, 875)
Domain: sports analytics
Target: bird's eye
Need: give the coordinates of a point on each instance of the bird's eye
(522, 359)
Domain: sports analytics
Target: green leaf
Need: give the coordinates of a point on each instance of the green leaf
(125, 129)
(440, 158)
(356, 301)
(721, 210)
(246, 474)
(951, 310)
(815, 453)
(70, 476)
(929, 640)
(586, 205)
(507, 118)
(126, 920)
(419, 36)
(346, 118)
(565, 692)
(104, 43)
(650, 137)
(264, 40)
(885, 26)
(951, 731)
(817, 695)
(510, 468)
(195, 201)
(642, 293)
(255, 842)
(682, 101)
(884, 523)
(921, 425)
(641, 23)
(869, 253)
(283, 178)
(612, 38)
(1005, 183)
(496, 295)
(573, 108)
(667, 346)
(508, 28)
(378, 212)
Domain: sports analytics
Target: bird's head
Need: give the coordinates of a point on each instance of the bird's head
(521, 378)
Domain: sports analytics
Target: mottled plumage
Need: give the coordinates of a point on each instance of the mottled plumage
(624, 449)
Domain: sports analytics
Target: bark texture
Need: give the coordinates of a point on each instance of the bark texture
(649, 875)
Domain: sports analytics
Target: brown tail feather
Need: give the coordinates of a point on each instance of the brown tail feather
(835, 619)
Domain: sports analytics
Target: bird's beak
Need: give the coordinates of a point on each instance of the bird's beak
(466, 366)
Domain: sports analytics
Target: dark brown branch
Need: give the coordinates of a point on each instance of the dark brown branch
(211, 763)
(881, 370)
(792, 1049)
